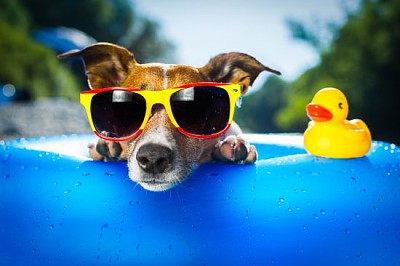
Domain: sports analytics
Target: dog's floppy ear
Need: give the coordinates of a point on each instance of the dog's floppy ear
(106, 64)
(236, 68)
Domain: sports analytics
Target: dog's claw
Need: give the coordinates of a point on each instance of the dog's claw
(251, 155)
(236, 150)
(106, 151)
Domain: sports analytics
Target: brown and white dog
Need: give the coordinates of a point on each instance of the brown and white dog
(162, 157)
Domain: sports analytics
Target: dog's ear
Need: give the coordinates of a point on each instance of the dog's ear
(106, 64)
(236, 68)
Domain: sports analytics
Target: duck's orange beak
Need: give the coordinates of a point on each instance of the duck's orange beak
(318, 113)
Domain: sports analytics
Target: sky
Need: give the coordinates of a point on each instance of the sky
(202, 29)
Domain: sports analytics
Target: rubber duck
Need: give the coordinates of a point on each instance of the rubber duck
(329, 134)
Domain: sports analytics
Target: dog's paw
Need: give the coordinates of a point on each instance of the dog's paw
(107, 151)
(236, 150)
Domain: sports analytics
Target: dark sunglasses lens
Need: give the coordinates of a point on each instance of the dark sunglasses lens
(118, 113)
(201, 110)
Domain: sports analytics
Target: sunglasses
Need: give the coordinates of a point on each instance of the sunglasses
(199, 110)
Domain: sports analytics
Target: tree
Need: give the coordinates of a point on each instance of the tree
(14, 14)
(36, 69)
(114, 21)
(363, 62)
(26, 64)
(258, 108)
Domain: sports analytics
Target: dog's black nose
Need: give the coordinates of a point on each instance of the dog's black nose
(155, 158)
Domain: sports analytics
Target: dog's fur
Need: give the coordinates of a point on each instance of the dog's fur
(161, 157)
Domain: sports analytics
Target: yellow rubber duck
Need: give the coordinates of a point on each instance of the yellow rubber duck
(329, 134)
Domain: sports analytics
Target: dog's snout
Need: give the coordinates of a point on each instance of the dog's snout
(155, 158)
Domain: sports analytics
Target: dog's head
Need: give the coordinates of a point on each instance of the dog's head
(161, 156)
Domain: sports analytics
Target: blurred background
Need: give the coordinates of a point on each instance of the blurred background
(353, 45)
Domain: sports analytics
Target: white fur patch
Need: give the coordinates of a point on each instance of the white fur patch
(156, 135)
(165, 69)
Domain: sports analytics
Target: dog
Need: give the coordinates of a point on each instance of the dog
(161, 157)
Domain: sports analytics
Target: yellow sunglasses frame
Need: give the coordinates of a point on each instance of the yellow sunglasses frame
(162, 97)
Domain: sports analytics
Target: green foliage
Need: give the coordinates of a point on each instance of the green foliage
(148, 45)
(318, 34)
(112, 21)
(32, 67)
(363, 62)
(104, 20)
(258, 108)
(12, 12)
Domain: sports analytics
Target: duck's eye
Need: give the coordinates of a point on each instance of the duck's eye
(341, 106)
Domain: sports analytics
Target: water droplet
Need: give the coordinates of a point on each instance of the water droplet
(6, 157)
(67, 191)
(289, 209)
(281, 202)
(104, 226)
(304, 190)
(356, 214)
(322, 211)
(109, 173)
(315, 216)
(315, 173)
(52, 226)
(78, 184)
(86, 174)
